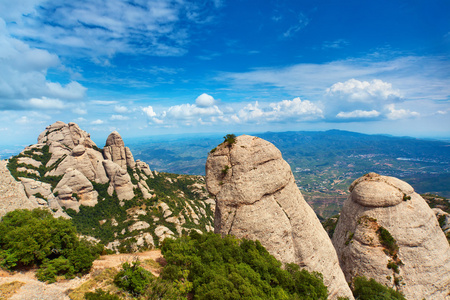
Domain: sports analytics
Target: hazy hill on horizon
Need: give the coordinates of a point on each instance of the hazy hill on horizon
(324, 162)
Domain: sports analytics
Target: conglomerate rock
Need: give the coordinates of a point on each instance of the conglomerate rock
(257, 198)
(415, 261)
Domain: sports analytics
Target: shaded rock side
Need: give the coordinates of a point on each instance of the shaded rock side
(416, 261)
(12, 193)
(256, 198)
(116, 151)
(74, 190)
(120, 180)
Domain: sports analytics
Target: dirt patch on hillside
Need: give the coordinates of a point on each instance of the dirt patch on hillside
(25, 286)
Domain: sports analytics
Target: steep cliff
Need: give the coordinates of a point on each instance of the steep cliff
(386, 231)
(256, 198)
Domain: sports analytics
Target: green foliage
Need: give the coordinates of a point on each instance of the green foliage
(387, 240)
(365, 289)
(133, 278)
(229, 268)
(349, 238)
(100, 294)
(230, 139)
(35, 237)
(393, 266)
(225, 170)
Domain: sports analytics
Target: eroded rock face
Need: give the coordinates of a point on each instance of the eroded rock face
(256, 198)
(12, 193)
(420, 267)
(69, 135)
(75, 189)
(116, 151)
(120, 180)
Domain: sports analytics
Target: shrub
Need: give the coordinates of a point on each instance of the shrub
(387, 240)
(35, 237)
(230, 139)
(230, 268)
(133, 278)
(100, 294)
(369, 289)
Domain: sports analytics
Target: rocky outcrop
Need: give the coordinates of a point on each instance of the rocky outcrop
(386, 231)
(69, 135)
(120, 180)
(75, 189)
(86, 160)
(12, 193)
(116, 151)
(256, 198)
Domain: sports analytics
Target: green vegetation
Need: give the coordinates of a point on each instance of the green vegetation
(388, 241)
(349, 238)
(229, 268)
(29, 238)
(100, 294)
(369, 289)
(133, 278)
(330, 224)
(230, 139)
(225, 170)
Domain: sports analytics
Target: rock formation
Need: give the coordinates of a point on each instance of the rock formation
(116, 151)
(257, 198)
(12, 193)
(386, 231)
(75, 189)
(120, 180)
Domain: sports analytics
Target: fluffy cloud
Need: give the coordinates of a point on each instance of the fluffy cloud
(120, 109)
(192, 111)
(115, 26)
(204, 100)
(97, 122)
(149, 111)
(358, 114)
(294, 109)
(395, 114)
(46, 103)
(363, 91)
(283, 111)
(119, 118)
(23, 76)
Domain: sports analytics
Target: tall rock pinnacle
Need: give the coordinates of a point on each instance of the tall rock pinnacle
(257, 198)
(116, 151)
(386, 231)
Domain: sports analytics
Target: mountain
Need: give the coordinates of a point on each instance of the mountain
(256, 198)
(110, 196)
(324, 163)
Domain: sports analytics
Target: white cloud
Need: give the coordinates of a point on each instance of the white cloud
(192, 111)
(395, 114)
(363, 91)
(23, 74)
(115, 26)
(97, 122)
(283, 111)
(358, 114)
(120, 109)
(103, 102)
(45, 103)
(149, 111)
(204, 100)
(250, 113)
(418, 78)
(79, 111)
(23, 120)
(295, 108)
(119, 118)
(336, 44)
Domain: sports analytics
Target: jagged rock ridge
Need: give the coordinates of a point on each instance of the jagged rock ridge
(257, 198)
(66, 171)
(386, 231)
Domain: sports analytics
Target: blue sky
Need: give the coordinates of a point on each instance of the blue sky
(178, 66)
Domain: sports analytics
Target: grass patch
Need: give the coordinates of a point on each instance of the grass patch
(103, 279)
(9, 289)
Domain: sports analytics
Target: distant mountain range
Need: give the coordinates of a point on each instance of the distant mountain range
(323, 162)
